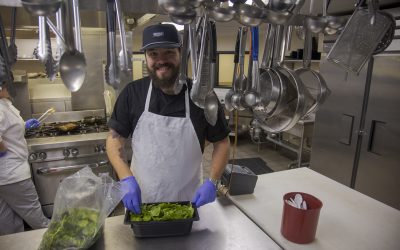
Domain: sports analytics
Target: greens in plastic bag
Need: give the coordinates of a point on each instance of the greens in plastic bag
(83, 202)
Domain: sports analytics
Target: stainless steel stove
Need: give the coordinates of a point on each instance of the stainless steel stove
(56, 154)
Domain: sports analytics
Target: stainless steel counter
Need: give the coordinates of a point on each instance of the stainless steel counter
(348, 219)
(221, 226)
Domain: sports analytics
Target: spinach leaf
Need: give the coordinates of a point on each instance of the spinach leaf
(77, 228)
(163, 212)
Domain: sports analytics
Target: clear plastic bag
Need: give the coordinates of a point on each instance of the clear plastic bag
(83, 202)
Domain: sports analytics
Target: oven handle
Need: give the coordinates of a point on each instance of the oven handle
(57, 170)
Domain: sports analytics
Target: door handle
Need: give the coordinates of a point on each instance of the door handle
(57, 170)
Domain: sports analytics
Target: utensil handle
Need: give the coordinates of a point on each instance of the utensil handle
(237, 44)
(121, 25)
(56, 31)
(69, 24)
(46, 114)
(280, 45)
(77, 25)
(266, 53)
(13, 25)
(254, 41)
(202, 47)
(307, 52)
(42, 52)
(242, 51)
(213, 45)
(193, 48)
(184, 50)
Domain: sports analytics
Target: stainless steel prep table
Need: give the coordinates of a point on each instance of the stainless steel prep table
(221, 226)
(348, 219)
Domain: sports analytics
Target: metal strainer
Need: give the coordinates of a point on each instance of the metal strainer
(360, 37)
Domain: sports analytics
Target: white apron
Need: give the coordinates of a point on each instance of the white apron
(166, 156)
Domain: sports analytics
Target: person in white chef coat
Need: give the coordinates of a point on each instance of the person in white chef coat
(168, 131)
(18, 197)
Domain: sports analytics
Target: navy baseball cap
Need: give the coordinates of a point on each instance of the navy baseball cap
(160, 36)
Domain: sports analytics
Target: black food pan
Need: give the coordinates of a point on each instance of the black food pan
(145, 229)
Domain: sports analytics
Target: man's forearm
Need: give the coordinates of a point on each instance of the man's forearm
(220, 157)
(116, 154)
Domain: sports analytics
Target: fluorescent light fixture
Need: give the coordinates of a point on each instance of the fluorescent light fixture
(177, 26)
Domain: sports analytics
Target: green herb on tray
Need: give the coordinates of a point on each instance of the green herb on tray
(164, 212)
(76, 229)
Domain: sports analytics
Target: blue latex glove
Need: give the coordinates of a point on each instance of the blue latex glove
(32, 123)
(206, 193)
(3, 153)
(132, 199)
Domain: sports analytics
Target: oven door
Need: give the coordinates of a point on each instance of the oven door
(48, 175)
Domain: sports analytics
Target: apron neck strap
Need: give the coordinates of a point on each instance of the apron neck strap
(146, 107)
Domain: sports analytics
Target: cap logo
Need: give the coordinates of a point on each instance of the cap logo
(158, 34)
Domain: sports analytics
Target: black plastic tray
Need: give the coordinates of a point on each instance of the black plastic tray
(144, 229)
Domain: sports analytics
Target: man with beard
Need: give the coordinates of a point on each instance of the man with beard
(168, 131)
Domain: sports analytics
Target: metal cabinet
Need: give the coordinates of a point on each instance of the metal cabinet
(357, 131)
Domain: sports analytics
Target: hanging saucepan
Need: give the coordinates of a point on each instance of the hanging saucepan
(312, 79)
(295, 97)
(270, 82)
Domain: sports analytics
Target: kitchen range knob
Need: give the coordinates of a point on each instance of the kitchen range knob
(33, 157)
(66, 152)
(42, 155)
(74, 152)
(103, 148)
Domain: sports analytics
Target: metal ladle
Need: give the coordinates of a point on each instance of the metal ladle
(252, 97)
(249, 15)
(231, 91)
(221, 13)
(41, 7)
(184, 18)
(211, 100)
(241, 79)
(315, 24)
(175, 7)
(72, 62)
(281, 12)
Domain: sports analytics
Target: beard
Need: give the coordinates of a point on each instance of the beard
(167, 81)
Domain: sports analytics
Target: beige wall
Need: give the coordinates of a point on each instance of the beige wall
(226, 43)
